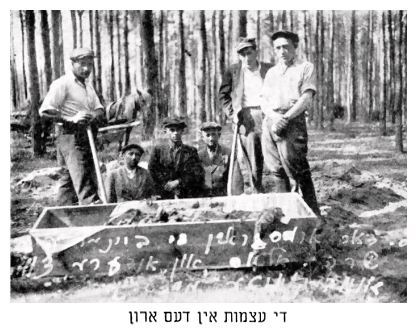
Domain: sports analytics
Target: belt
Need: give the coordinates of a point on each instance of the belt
(70, 128)
(252, 107)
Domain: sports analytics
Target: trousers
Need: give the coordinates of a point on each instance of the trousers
(249, 151)
(78, 179)
(285, 157)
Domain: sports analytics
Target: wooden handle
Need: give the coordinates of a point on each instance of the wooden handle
(232, 160)
(119, 126)
(96, 164)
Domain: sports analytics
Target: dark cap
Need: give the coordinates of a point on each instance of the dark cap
(173, 122)
(132, 146)
(210, 125)
(286, 34)
(80, 53)
(245, 42)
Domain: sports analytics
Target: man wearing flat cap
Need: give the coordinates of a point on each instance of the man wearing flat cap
(240, 98)
(73, 103)
(287, 93)
(175, 167)
(129, 181)
(215, 159)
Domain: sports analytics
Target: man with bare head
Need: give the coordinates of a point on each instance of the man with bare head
(287, 93)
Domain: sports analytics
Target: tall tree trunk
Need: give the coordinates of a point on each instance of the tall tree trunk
(80, 27)
(56, 41)
(370, 67)
(14, 91)
(151, 68)
(230, 39)
(22, 27)
(46, 48)
(354, 61)
(271, 31)
(99, 87)
(291, 20)
(74, 29)
(111, 93)
(383, 118)
(404, 68)
(126, 52)
(306, 24)
(322, 79)
(398, 111)
(284, 24)
(181, 69)
(258, 33)
(393, 85)
(222, 62)
(91, 31)
(163, 65)
(167, 86)
(201, 113)
(330, 80)
(36, 126)
(214, 106)
(243, 23)
(119, 55)
(317, 106)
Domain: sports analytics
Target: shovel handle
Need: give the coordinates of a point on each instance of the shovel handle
(232, 160)
(96, 164)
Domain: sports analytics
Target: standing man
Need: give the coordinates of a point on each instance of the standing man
(129, 181)
(73, 103)
(287, 93)
(215, 159)
(176, 168)
(240, 98)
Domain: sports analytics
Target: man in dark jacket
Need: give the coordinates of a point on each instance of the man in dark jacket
(176, 168)
(240, 98)
(215, 159)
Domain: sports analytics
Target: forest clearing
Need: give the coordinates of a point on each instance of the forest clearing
(357, 140)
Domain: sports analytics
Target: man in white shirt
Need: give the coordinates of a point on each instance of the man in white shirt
(240, 98)
(287, 93)
(73, 103)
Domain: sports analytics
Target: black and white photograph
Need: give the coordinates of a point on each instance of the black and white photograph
(208, 156)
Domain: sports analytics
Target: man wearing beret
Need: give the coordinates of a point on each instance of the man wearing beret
(130, 181)
(175, 167)
(215, 159)
(73, 103)
(240, 98)
(287, 93)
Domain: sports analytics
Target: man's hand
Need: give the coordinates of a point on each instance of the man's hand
(171, 185)
(236, 117)
(280, 124)
(82, 118)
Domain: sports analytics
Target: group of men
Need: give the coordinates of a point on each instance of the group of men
(266, 102)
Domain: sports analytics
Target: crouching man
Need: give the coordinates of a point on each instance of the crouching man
(175, 167)
(215, 159)
(130, 181)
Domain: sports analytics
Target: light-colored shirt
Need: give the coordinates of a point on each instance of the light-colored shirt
(252, 87)
(69, 96)
(283, 85)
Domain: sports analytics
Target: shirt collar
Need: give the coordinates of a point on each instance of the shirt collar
(257, 69)
(73, 77)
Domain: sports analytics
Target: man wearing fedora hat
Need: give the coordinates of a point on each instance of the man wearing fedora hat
(287, 93)
(175, 167)
(129, 181)
(240, 98)
(215, 159)
(73, 103)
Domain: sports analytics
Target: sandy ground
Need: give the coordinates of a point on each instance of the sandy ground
(361, 185)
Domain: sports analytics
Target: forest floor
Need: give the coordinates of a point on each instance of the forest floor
(361, 185)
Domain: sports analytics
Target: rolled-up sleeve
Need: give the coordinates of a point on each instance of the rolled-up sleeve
(54, 98)
(309, 79)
